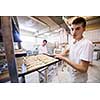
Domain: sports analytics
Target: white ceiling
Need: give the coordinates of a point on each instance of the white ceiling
(30, 24)
(42, 25)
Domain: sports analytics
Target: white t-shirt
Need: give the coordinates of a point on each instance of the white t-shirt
(43, 49)
(81, 50)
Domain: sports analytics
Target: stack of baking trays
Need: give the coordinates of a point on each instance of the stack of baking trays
(41, 63)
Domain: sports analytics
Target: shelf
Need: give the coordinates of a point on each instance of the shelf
(96, 42)
(5, 76)
(17, 54)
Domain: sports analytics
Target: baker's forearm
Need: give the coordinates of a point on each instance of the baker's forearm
(78, 67)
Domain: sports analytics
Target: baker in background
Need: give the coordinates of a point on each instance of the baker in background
(43, 48)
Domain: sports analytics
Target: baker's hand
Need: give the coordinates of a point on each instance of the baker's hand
(59, 56)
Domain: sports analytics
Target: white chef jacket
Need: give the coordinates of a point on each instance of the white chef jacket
(42, 49)
(81, 50)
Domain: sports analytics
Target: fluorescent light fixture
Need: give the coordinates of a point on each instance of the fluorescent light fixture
(21, 26)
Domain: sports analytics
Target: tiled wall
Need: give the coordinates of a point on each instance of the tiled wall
(93, 35)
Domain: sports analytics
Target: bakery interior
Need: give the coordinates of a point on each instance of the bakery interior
(20, 38)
